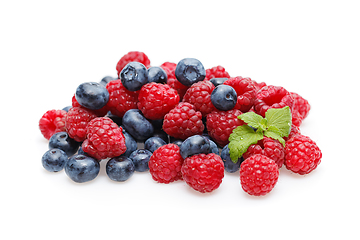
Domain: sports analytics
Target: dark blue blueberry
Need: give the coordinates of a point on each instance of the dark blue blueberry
(67, 108)
(92, 95)
(131, 144)
(106, 80)
(194, 145)
(120, 169)
(224, 97)
(81, 151)
(116, 119)
(54, 160)
(82, 168)
(134, 76)
(137, 125)
(213, 147)
(218, 81)
(176, 141)
(154, 143)
(157, 74)
(141, 159)
(62, 141)
(189, 71)
(229, 165)
(161, 134)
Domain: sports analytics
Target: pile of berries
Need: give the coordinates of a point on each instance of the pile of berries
(182, 116)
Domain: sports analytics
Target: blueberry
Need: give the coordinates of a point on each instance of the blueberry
(229, 165)
(54, 160)
(176, 141)
(194, 145)
(106, 80)
(224, 97)
(213, 147)
(189, 71)
(62, 141)
(120, 169)
(67, 108)
(92, 95)
(82, 168)
(137, 125)
(218, 81)
(134, 76)
(131, 144)
(156, 74)
(141, 159)
(116, 119)
(154, 143)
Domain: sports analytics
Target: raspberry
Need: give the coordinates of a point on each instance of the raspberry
(258, 175)
(134, 56)
(245, 90)
(268, 147)
(301, 105)
(53, 121)
(258, 85)
(179, 87)
(220, 125)
(169, 68)
(216, 72)
(183, 121)
(121, 99)
(302, 155)
(99, 112)
(203, 172)
(294, 131)
(165, 164)
(156, 100)
(104, 139)
(272, 97)
(199, 94)
(76, 122)
(296, 118)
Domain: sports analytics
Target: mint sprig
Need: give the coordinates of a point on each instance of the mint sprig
(275, 125)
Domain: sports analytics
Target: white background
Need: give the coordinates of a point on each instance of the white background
(49, 47)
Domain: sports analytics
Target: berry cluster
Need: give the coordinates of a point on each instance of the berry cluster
(180, 122)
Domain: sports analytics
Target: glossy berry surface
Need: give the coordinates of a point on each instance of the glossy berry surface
(130, 142)
(134, 76)
(76, 122)
(189, 71)
(199, 95)
(157, 74)
(216, 72)
(133, 56)
(224, 97)
(92, 95)
(120, 169)
(194, 145)
(137, 125)
(51, 122)
(229, 165)
(54, 160)
(140, 158)
(154, 143)
(218, 81)
(82, 168)
(105, 80)
(62, 141)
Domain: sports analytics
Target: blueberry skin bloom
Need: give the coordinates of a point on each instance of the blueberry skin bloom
(154, 143)
(157, 74)
(120, 169)
(54, 160)
(194, 145)
(224, 97)
(229, 165)
(141, 159)
(92, 95)
(134, 76)
(62, 141)
(189, 71)
(137, 125)
(82, 168)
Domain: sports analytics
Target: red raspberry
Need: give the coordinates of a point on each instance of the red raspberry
(120, 99)
(269, 147)
(99, 112)
(245, 90)
(53, 121)
(179, 87)
(258, 175)
(104, 139)
(272, 97)
(258, 85)
(156, 100)
(220, 125)
(134, 56)
(169, 68)
(296, 118)
(165, 164)
(199, 94)
(183, 121)
(302, 155)
(216, 72)
(203, 172)
(301, 105)
(76, 122)
(294, 131)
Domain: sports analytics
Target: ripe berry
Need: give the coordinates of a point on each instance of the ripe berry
(92, 95)
(120, 169)
(154, 143)
(106, 80)
(199, 95)
(165, 164)
(194, 145)
(82, 168)
(218, 81)
(157, 74)
(62, 141)
(76, 122)
(130, 142)
(229, 165)
(51, 122)
(133, 56)
(54, 160)
(216, 72)
(203, 172)
(302, 155)
(301, 105)
(141, 159)
(189, 71)
(99, 112)
(245, 90)
(134, 76)
(137, 125)
(224, 97)
(258, 175)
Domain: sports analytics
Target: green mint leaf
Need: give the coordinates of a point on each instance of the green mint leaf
(274, 134)
(240, 140)
(279, 118)
(254, 120)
